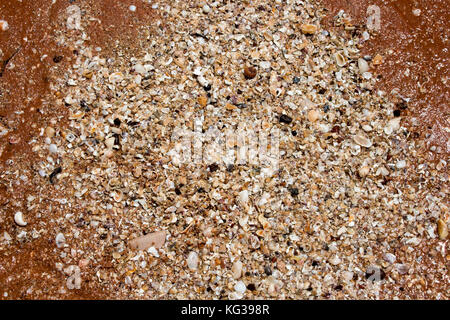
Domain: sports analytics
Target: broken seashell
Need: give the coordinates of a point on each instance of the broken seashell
(392, 126)
(442, 229)
(117, 196)
(154, 239)
(362, 141)
(110, 142)
(363, 65)
(364, 171)
(18, 218)
(308, 28)
(377, 60)
(340, 59)
(236, 270)
(116, 77)
(60, 240)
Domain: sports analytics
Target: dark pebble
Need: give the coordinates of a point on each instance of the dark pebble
(84, 105)
(57, 59)
(267, 270)
(117, 122)
(54, 174)
(285, 119)
(293, 191)
(213, 167)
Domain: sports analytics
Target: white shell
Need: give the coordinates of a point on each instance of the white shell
(340, 59)
(18, 218)
(362, 141)
(363, 65)
(60, 240)
(192, 260)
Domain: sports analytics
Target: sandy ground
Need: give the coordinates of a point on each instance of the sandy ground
(35, 63)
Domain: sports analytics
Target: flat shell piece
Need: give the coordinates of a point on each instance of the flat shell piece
(154, 239)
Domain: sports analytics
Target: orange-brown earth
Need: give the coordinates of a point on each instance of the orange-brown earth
(31, 57)
(414, 41)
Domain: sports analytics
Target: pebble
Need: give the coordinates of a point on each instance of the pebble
(53, 148)
(154, 239)
(362, 141)
(236, 270)
(401, 164)
(203, 101)
(347, 275)
(240, 287)
(132, 8)
(389, 257)
(249, 72)
(192, 260)
(206, 9)
(18, 219)
(313, 115)
(377, 60)
(364, 171)
(49, 132)
(243, 196)
(392, 126)
(285, 119)
(308, 28)
(442, 229)
(139, 68)
(335, 260)
(110, 142)
(363, 65)
(4, 25)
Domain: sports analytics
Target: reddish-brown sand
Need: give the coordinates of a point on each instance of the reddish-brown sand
(419, 46)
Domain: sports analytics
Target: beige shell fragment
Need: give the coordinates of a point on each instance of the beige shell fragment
(362, 141)
(442, 229)
(308, 28)
(340, 59)
(154, 239)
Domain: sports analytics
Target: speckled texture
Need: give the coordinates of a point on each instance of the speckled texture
(352, 212)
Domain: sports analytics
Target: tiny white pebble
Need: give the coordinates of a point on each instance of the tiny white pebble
(192, 260)
(206, 9)
(401, 164)
(60, 240)
(389, 257)
(132, 8)
(53, 148)
(240, 287)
